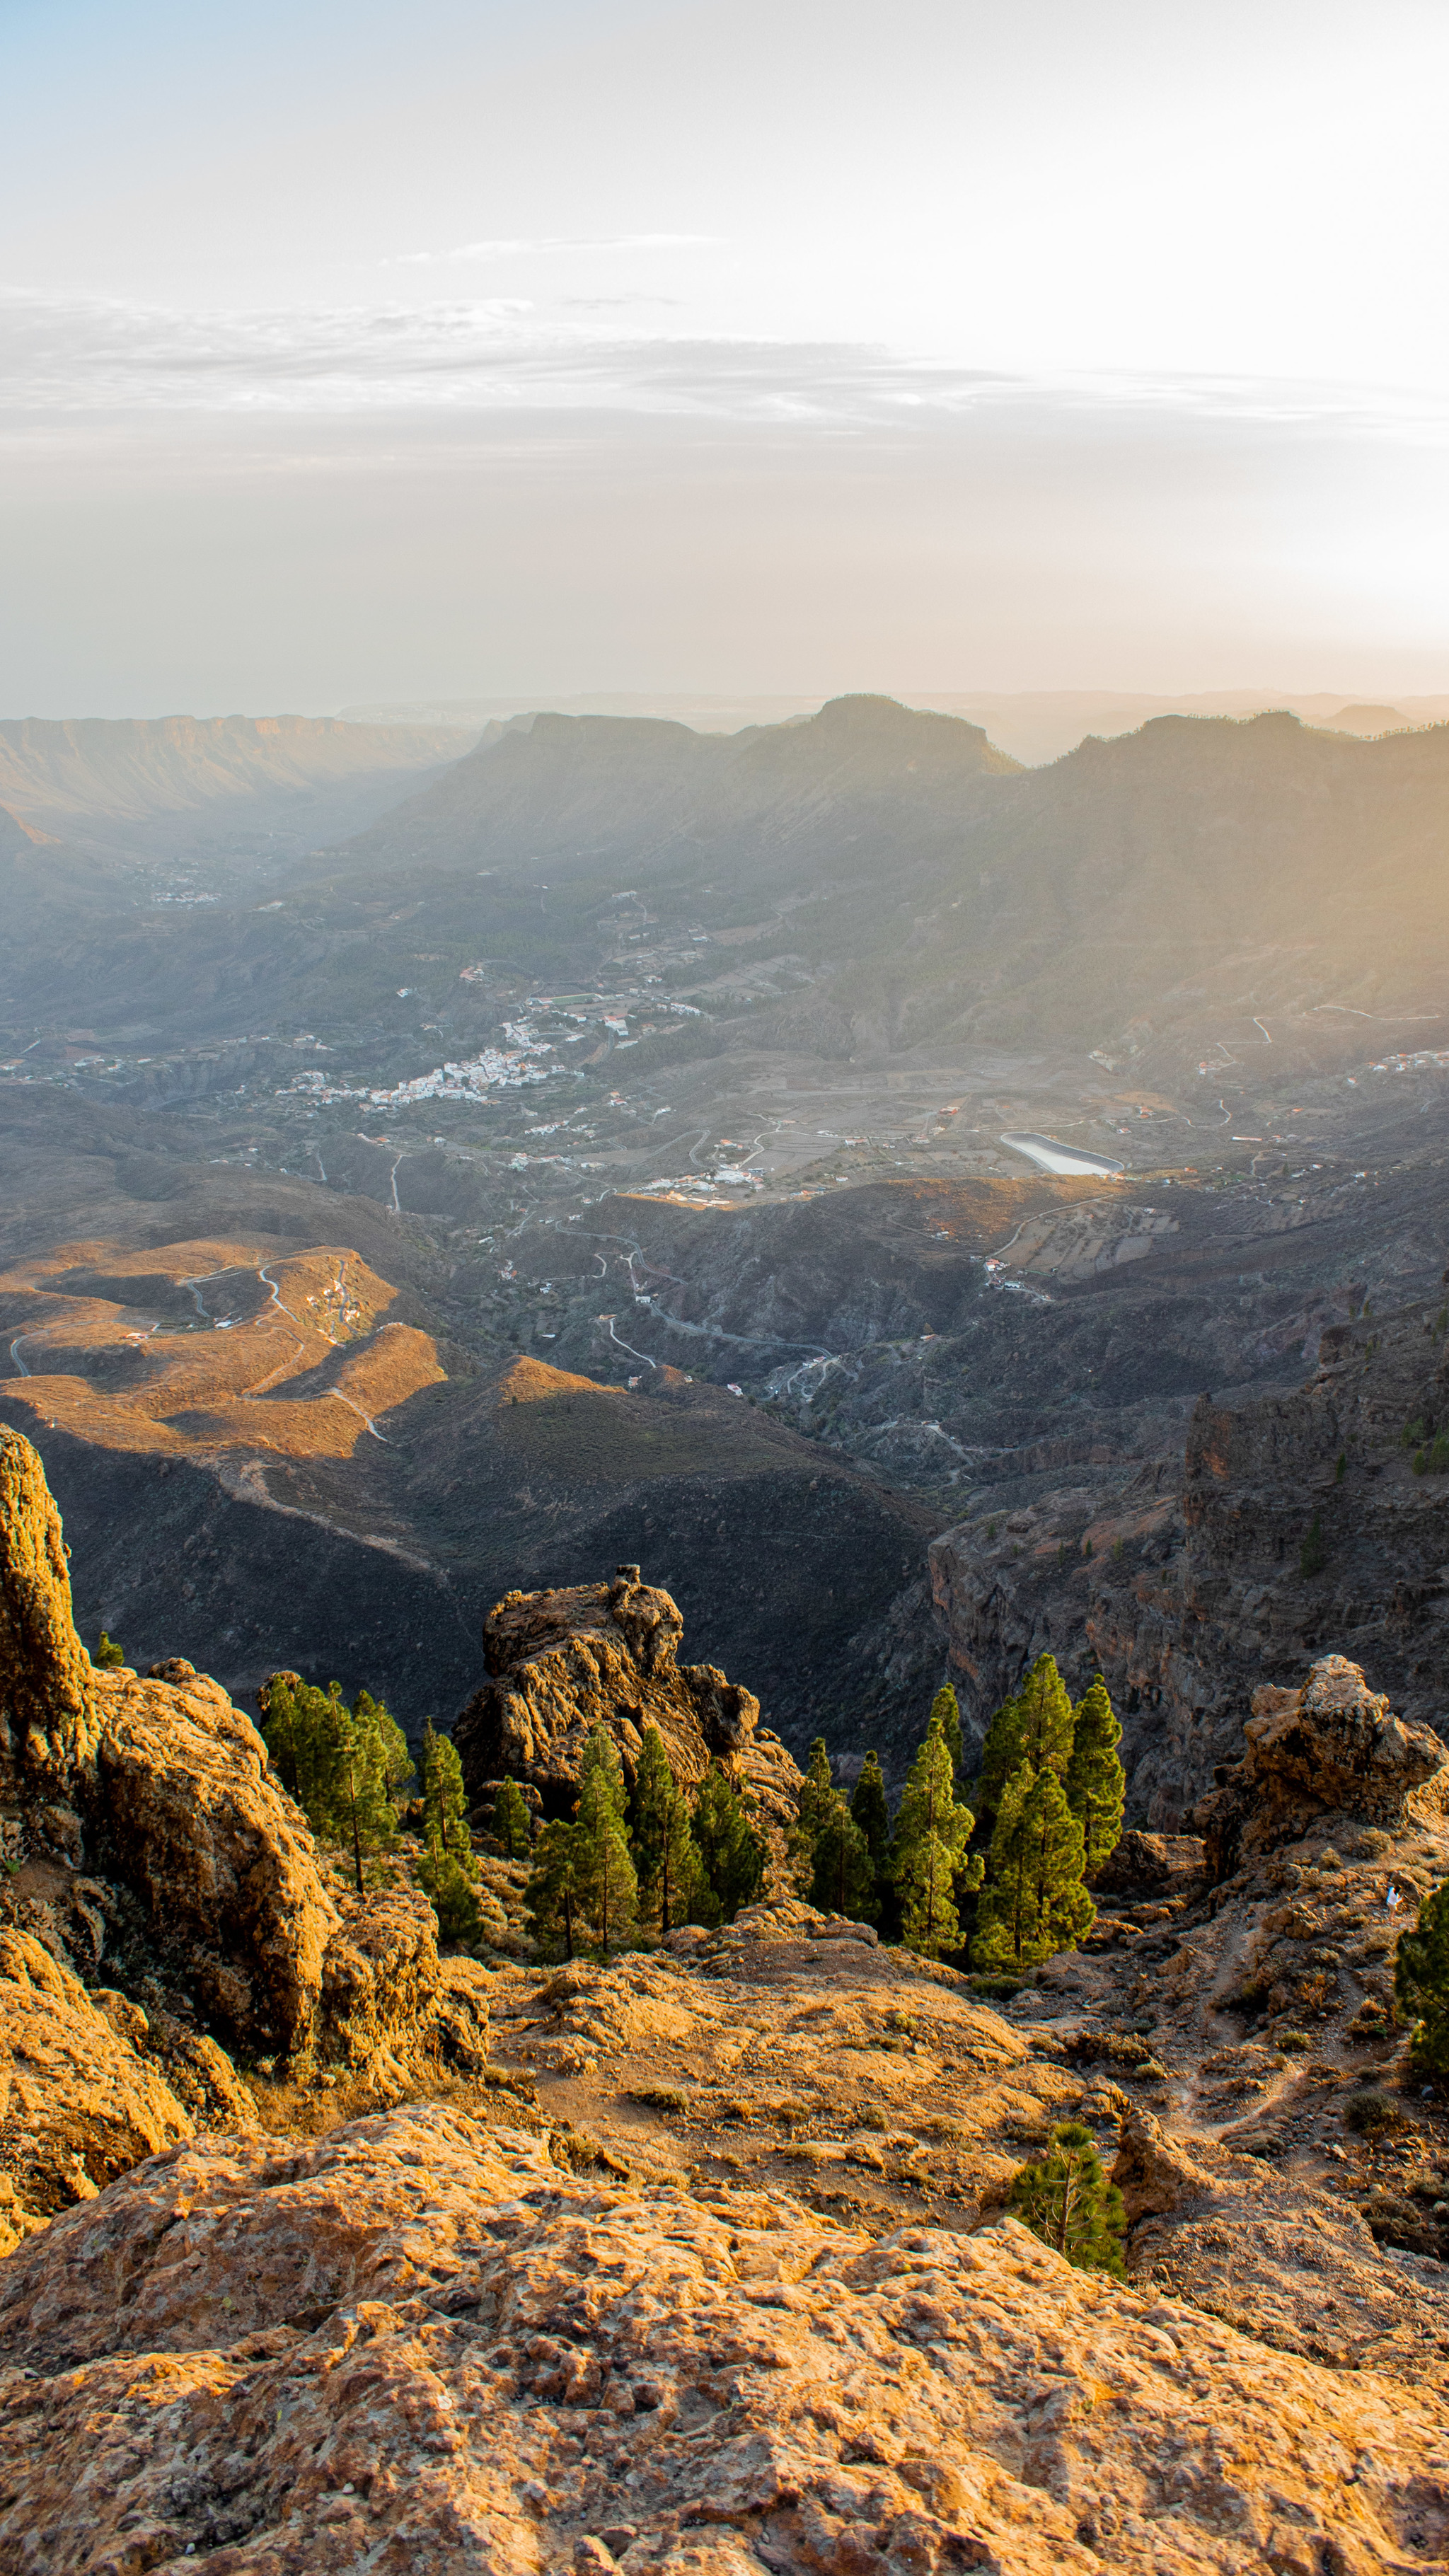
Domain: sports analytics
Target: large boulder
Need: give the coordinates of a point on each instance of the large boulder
(562, 1662)
(182, 1805)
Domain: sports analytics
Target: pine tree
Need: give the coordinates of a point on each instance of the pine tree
(108, 1656)
(335, 1761)
(1064, 2197)
(552, 1894)
(1004, 1919)
(1034, 1726)
(397, 1761)
(445, 1800)
(1064, 1911)
(365, 1814)
(929, 1848)
(1035, 1903)
(1096, 1783)
(660, 1839)
(945, 1707)
(608, 1886)
(454, 1897)
(816, 1798)
(732, 1853)
(844, 1880)
(1421, 1985)
(871, 1810)
(512, 1824)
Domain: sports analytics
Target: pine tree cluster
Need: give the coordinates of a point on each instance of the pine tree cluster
(1045, 1813)
(341, 1764)
(628, 1867)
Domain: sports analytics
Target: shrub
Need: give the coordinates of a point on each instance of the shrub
(1421, 1984)
(1369, 2113)
(1313, 1554)
(1064, 2197)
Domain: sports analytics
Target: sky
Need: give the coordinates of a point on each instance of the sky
(378, 353)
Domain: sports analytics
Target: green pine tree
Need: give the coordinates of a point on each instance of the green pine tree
(553, 1892)
(1096, 1783)
(929, 1848)
(844, 1880)
(816, 1798)
(336, 1761)
(512, 1823)
(1421, 1985)
(1034, 1726)
(397, 1761)
(661, 1841)
(871, 1810)
(366, 1816)
(1035, 1903)
(945, 1707)
(608, 1884)
(1005, 1922)
(732, 1853)
(108, 1656)
(1064, 2197)
(1064, 1911)
(445, 1800)
(454, 1897)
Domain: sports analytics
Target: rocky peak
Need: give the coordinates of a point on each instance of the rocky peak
(564, 1661)
(47, 1705)
(1332, 1747)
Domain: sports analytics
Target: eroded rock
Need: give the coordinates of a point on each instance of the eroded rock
(420, 2343)
(562, 1662)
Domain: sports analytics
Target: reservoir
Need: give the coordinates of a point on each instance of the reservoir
(1049, 1156)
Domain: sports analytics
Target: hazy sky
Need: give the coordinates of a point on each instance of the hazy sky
(384, 352)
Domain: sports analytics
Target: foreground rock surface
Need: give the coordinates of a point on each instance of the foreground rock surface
(562, 1662)
(419, 2344)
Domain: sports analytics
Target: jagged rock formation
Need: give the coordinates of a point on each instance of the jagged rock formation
(562, 1662)
(1333, 1748)
(166, 1904)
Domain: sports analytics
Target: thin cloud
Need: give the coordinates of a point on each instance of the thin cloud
(537, 245)
(63, 359)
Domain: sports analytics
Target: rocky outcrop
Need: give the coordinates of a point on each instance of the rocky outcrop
(79, 2103)
(562, 1662)
(165, 1904)
(1332, 1748)
(421, 2344)
(1152, 1865)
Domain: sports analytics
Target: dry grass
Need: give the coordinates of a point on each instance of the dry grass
(206, 1390)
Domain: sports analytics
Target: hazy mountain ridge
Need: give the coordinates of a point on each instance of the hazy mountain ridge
(118, 768)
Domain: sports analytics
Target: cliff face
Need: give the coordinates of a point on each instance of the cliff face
(1297, 1523)
(165, 1904)
(562, 1662)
